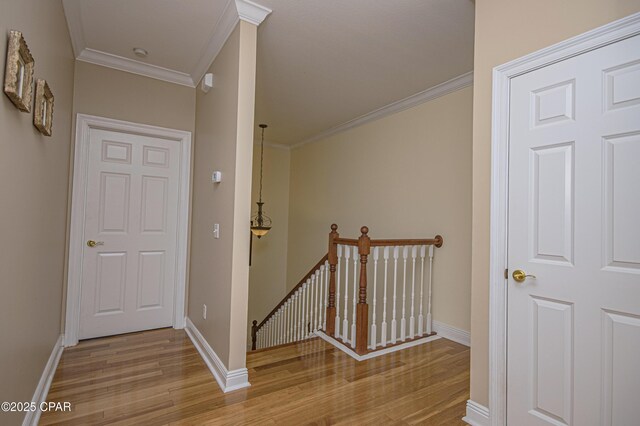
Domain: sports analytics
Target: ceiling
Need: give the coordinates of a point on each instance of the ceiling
(320, 63)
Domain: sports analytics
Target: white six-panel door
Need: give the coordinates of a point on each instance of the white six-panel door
(131, 212)
(574, 222)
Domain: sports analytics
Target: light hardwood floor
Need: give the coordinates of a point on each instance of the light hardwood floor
(157, 377)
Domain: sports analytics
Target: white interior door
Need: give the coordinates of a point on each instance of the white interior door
(574, 222)
(131, 213)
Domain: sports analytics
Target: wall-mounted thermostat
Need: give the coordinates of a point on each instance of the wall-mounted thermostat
(216, 177)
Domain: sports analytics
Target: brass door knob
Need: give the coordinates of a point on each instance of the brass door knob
(519, 275)
(92, 243)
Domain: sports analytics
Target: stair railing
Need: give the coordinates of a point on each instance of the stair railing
(298, 315)
(342, 276)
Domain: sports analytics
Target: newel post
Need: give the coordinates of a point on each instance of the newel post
(333, 261)
(254, 334)
(362, 309)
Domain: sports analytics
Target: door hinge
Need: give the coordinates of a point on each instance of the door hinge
(506, 274)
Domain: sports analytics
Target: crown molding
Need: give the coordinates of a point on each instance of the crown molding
(235, 11)
(74, 21)
(251, 12)
(135, 67)
(427, 95)
(272, 145)
(221, 32)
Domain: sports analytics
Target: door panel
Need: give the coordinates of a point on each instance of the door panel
(573, 330)
(131, 210)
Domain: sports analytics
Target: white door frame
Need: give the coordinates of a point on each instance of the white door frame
(84, 123)
(502, 75)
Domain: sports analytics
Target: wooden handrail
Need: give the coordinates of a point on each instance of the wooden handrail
(437, 241)
(293, 290)
(346, 241)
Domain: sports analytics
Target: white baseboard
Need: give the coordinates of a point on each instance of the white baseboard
(457, 335)
(349, 351)
(227, 380)
(42, 390)
(477, 415)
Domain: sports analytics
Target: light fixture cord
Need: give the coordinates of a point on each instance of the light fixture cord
(261, 161)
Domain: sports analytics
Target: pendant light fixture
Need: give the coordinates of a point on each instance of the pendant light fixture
(260, 223)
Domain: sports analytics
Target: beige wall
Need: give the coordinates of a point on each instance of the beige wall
(407, 175)
(224, 141)
(268, 272)
(110, 93)
(506, 30)
(33, 184)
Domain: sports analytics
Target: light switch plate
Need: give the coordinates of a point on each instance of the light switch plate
(216, 230)
(216, 177)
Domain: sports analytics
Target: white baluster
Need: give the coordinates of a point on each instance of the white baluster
(299, 315)
(294, 318)
(355, 296)
(271, 331)
(291, 319)
(345, 321)
(303, 326)
(287, 331)
(412, 319)
(420, 317)
(318, 294)
(307, 328)
(383, 332)
(396, 251)
(337, 325)
(281, 327)
(284, 323)
(326, 294)
(267, 335)
(278, 327)
(429, 324)
(311, 303)
(309, 306)
(374, 331)
(321, 299)
(403, 321)
(274, 330)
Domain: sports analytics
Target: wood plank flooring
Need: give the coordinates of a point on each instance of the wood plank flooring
(157, 378)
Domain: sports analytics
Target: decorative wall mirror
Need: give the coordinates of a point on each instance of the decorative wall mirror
(18, 74)
(43, 114)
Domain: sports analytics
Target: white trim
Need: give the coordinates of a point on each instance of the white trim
(457, 83)
(252, 12)
(227, 380)
(42, 390)
(502, 75)
(221, 32)
(452, 333)
(74, 22)
(235, 11)
(477, 415)
(135, 67)
(346, 349)
(84, 123)
(272, 145)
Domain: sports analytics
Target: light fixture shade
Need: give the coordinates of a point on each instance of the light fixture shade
(260, 231)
